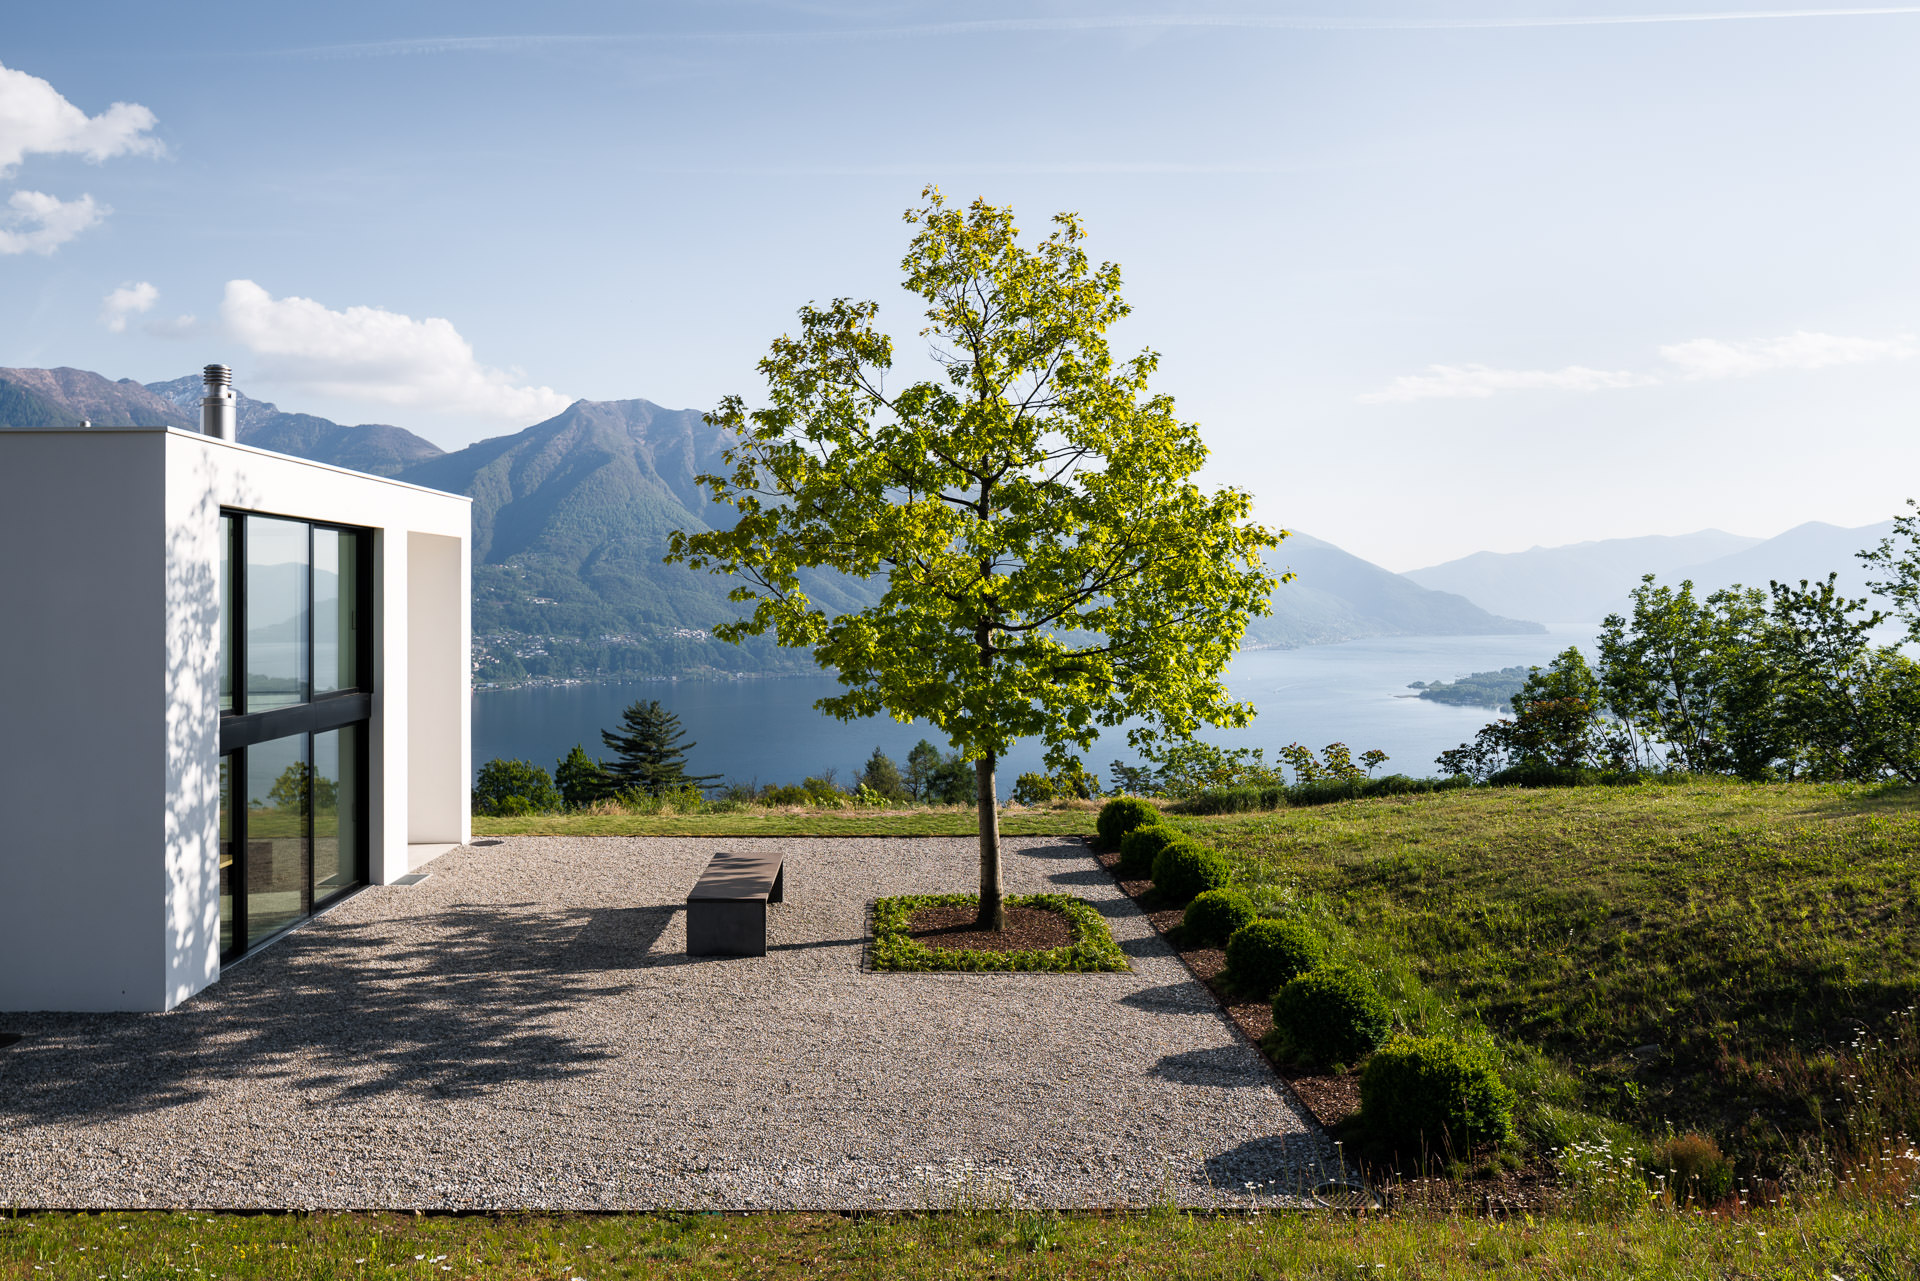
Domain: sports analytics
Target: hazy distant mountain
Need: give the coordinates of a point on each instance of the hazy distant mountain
(1584, 582)
(1810, 551)
(1339, 597)
(64, 397)
(377, 448)
(1581, 582)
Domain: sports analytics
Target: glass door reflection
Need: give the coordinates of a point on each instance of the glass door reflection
(278, 850)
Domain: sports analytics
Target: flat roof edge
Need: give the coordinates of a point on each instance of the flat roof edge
(214, 441)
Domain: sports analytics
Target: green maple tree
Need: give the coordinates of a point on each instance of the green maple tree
(1050, 566)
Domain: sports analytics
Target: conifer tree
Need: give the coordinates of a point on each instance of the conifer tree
(649, 756)
(581, 779)
(883, 776)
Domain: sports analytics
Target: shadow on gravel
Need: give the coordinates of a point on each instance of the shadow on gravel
(1282, 1165)
(1230, 1066)
(445, 1006)
(1172, 998)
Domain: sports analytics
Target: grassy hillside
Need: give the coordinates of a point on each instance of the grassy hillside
(1712, 955)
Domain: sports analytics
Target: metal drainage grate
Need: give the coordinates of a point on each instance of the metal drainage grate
(1336, 1195)
(10, 1038)
(413, 878)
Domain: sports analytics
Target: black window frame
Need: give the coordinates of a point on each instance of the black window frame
(338, 709)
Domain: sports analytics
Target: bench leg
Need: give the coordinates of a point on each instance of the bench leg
(727, 929)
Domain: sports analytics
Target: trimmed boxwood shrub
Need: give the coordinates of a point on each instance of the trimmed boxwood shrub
(1120, 816)
(1430, 1095)
(1214, 915)
(1264, 955)
(1330, 1015)
(1142, 845)
(1186, 868)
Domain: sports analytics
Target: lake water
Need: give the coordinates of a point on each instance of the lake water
(767, 731)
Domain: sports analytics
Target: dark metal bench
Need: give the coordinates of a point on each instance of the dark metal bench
(727, 909)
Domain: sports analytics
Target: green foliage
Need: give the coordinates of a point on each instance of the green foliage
(1691, 1168)
(1330, 1015)
(1032, 789)
(1186, 767)
(1185, 868)
(1430, 1096)
(1265, 955)
(509, 787)
(1214, 915)
(1898, 557)
(1092, 946)
(581, 779)
(1050, 567)
(1326, 791)
(1140, 847)
(1120, 816)
(882, 777)
(289, 791)
(650, 757)
(922, 764)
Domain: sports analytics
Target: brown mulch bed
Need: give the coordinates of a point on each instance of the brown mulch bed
(956, 929)
(1332, 1100)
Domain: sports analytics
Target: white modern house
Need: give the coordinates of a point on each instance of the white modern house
(233, 690)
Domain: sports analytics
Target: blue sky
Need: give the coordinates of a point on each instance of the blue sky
(1432, 277)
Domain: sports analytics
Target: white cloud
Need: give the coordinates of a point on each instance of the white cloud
(1452, 382)
(35, 118)
(1700, 360)
(125, 302)
(37, 223)
(370, 354)
(1712, 358)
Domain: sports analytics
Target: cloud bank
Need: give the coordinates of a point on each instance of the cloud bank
(371, 354)
(36, 223)
(36, 118)
(1699, 360)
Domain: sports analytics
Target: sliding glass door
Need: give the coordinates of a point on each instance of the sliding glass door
(295, 698)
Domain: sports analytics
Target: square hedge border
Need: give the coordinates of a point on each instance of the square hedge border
(1092, 948)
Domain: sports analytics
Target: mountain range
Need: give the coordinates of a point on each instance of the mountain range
(571, 518)
(1584, 582)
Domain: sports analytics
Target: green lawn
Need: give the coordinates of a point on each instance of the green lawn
(1844, 1237)
(1705, 954)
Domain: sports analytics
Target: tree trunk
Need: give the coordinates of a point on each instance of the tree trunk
(993, 908)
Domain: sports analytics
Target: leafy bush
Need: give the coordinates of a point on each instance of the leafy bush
(1185, 868)
(1330, 1015)
(1694, 1169)
(514, 787)
(1428, 1094)
(1141, 846)
(1032, 789)
(1264, 955)
(1120, 816)
(1214, 915)
(1092, 946)
(1325, 791)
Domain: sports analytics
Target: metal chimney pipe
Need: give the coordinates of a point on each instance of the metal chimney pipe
(217, 406)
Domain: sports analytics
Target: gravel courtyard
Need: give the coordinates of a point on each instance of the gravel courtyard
(523, 1030)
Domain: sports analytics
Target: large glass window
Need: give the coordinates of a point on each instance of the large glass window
(338, 842)
(295, 618)
(336, 621)
(278, 643)
(278, 806)
(226, 613)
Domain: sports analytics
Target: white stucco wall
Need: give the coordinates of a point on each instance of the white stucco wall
(109, 736)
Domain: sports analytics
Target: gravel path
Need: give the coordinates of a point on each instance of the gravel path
(523, 1030)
